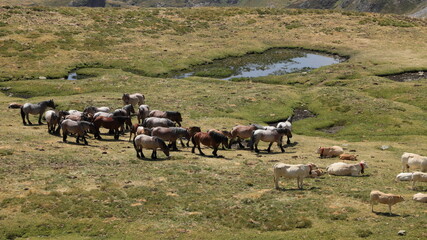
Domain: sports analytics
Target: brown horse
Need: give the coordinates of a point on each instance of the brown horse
(210, 139)
(144, 141)
(112, 123)
(192, 130)
(170, 134)
(242, 132)
(174, 116)
(137, 129)
(225, 133)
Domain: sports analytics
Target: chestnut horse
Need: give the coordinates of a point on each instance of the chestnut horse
(269, 136)
(242, 132)
(192, 130)
(211, 139)
(136, 130)
(112, 123)
(173, 116)
(145, 141)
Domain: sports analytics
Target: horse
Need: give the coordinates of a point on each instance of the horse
(174, 116)
(93, 110)
(170, 134)
(53, 119)
(125, 111)
(77, 127)
(136, 129)
(210, 139)
(288, 125)
(112, 123)
(269, 136)
(34, 109)
(104, 114)
(242, 132)
(143, 112)
(157, 122)
(134, 99)
(145, 141)
(225, 133)
(192, 130)
(15, 105)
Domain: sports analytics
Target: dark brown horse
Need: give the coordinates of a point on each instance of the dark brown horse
(225, 133)
(211, 139)
(242, 132)
(170, 134)
(192, 130)
(112, 123)
(174, 116)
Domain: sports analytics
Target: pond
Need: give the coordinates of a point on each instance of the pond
(277, 61)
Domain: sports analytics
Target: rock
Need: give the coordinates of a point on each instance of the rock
(401, 233)
(42, 78)
(5, 88)
(384, 147)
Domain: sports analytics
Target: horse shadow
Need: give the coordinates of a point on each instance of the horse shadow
(386, 214)
(79, 144)
(272, 152)
(293, 144)
(154, 160)
(297, 189)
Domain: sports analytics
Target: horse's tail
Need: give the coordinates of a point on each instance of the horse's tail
(22, 113)
(252, 141)
(193, 141)
(134, 145)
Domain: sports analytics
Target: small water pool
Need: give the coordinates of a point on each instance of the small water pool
(277, 61)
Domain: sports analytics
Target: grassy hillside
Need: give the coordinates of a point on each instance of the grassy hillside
(65, 191)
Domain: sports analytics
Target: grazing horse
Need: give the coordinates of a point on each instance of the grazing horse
(269, 136)
(134, 99)
(112, 123)
(93, 110)
(225, 133)
(34, 109)
(210, 139)
(136, 129)
(170, 134)
(174, 116)
(77, 127)
(288, 125)
(145, 141)
(143, 112)
(157, 122)
(192, 130)
(242, 132)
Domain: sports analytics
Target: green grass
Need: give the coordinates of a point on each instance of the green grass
(55, 190)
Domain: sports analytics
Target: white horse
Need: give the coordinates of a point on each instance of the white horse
(134, 99)
(143, 112)
(287, 125)
(157, 122)
(269, 136)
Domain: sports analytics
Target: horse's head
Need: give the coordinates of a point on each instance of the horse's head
(51, 104)
(125, 97)
(163, 146)
(130, 108)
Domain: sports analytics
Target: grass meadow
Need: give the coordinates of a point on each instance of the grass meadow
(56, 190)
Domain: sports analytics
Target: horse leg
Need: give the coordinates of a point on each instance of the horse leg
(179, 123)
(256, 147)
(288, 141)
(174, 147)
(215, 150)
(281, 147)
(200, 150)
(182, 142)
(269, 147)
(77, 138)
(154, 154)
(40, 118)
(84, 139)
(28, 119)
(116, 134)
(239, 141)
(64, 136)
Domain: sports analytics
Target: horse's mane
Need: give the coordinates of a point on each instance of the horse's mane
(179, 130)
(218, 137)
(282, 130)
(161, 143)
(257, 126)
(290, 118)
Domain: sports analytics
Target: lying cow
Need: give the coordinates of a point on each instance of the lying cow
(345, 169)
(350, 157)
(329, 152)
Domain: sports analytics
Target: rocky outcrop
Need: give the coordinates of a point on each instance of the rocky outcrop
(88, 3)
